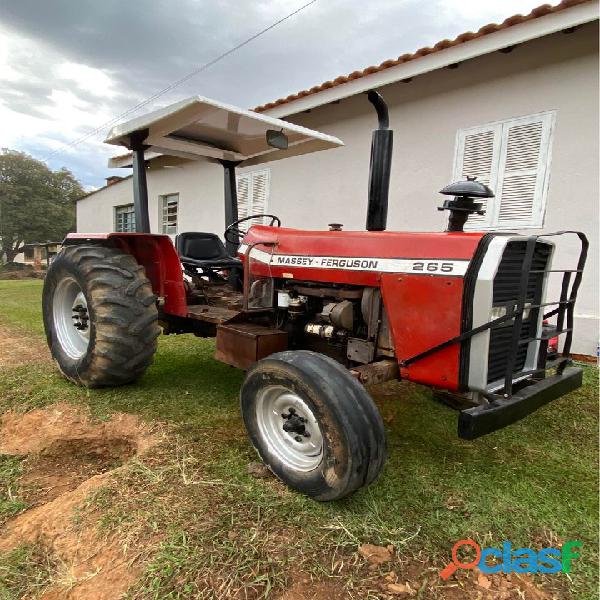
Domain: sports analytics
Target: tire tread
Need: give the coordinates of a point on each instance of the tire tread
(126, 322)
(350, 403)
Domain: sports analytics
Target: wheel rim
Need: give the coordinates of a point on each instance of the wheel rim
(71, 318)
(289, 428)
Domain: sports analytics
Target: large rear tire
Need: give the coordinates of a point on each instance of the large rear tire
(313, 424)
(100, 316)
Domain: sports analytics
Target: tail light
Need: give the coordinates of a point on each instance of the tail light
(553, 341)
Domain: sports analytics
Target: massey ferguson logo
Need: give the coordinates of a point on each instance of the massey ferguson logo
(322, 262)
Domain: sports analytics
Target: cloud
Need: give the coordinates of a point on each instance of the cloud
(67, 68)
(87, 79)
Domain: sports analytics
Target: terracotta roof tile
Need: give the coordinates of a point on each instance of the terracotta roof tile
(540, 11)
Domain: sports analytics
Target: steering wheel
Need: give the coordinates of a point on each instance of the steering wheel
(233, 234)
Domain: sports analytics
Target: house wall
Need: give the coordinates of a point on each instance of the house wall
(558, 72)
(200, 188)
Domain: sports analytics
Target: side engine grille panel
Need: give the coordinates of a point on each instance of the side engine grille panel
(506, 291)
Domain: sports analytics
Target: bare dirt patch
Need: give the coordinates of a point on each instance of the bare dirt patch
(17, 349)
(66, 463)
(68, 457)
(414, 578)
(401, 577)
(21, 274)
(38, 430)
(306, 589)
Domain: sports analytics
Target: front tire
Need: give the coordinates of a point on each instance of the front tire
(313, 424)
(100, 316)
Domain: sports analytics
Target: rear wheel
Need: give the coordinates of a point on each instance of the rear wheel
(313, 424)
(100, 316)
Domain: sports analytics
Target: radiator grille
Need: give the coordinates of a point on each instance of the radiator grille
(506, 291)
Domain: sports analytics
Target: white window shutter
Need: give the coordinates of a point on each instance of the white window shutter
(523, 171)
(169, 209)
(260, 194)
(477, 155)
(243, 195)
(253, 194)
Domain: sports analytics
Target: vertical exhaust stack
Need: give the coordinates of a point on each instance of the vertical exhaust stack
(381, 164)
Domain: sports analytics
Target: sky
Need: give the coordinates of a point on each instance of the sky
(69, 66)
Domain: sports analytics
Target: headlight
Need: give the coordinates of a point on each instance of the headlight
(500, 311)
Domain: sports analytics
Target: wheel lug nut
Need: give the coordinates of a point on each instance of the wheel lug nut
(306, 434)
(298, 438)
(292, 411)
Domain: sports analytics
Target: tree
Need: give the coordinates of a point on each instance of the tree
(36, 203)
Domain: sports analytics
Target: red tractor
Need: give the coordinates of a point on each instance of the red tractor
(314, 316)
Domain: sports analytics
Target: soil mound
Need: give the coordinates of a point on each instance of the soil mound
(69, 456)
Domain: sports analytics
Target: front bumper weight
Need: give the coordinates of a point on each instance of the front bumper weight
(483, 419)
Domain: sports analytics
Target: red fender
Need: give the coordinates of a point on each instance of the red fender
(157, 254)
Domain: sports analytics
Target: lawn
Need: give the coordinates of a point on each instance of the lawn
(534, 484)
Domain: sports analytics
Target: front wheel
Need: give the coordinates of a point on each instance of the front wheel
(100, 316)
(313, 424)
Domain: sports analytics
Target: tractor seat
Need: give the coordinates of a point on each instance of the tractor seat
(204, 250)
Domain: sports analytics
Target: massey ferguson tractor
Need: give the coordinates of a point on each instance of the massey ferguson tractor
(315, 316)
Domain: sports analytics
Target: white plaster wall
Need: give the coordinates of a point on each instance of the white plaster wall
(200, 188)
(95, 213)
(559, 72)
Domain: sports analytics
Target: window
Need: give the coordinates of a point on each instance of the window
(253, 194)
(513, 158)
(169, 209)
(124, 218)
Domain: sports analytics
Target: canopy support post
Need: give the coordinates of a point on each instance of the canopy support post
(140, 185)
(231, 202)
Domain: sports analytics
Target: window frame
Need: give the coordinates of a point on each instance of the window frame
(131, 212)
(164, 225)
(501, 129)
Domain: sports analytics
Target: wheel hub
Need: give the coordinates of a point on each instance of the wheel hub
(71, 318)
(289, 427)
(295, 424)
(80, 317)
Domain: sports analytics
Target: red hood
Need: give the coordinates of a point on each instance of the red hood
(381, 244)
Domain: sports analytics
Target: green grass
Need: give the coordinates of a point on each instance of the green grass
(22, 305)
(10, 503)
(534, 483)
(24, 572)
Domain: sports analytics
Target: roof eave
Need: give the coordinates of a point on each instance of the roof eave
(123, 178)
(510, 36)
(124, 161)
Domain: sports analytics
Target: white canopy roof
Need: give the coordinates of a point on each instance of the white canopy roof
(199, 128)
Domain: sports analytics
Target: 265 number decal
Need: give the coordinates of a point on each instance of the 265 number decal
(434, 266)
